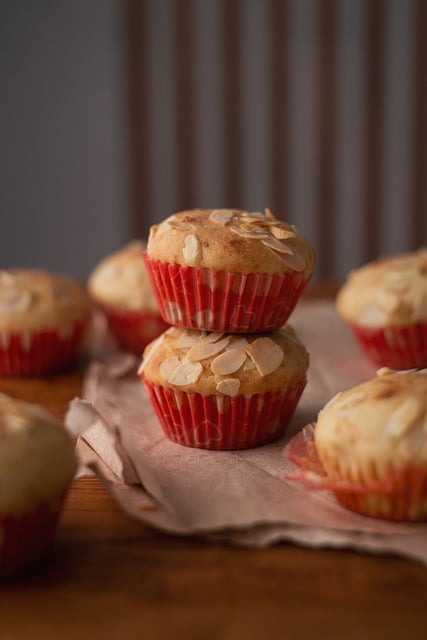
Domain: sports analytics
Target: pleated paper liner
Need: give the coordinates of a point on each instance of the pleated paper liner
(224, 301)
(223, 422)
(400, 494)
(394, 347)
(26, 538)
(39, 352)
(134, 329)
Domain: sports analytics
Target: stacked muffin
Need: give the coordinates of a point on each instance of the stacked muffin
(227, 375)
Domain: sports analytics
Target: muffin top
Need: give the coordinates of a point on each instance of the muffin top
(225, 364)
(121, 281)
(230, 240)
(390, 291)
(37, 458)
(33, 299)
(381, 423)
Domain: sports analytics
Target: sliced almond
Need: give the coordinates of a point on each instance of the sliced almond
(269, 214)
(249, 365)
(404, 417)
(294, 261)
(169, 366)
(202, 350)
(276, 245)
(239, 343)
(254, 235)
(152, 350)
(187, 339)
(228, 362)
(187, 373)
(254, 215)
(192, 250)
(222, 216)
(178, 224)
(229, 386)
(281, 233)
(265, 354)
(214, 336)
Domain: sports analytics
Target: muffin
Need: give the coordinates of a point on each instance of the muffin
(37, 463)
(385, 305)
(120, 286)
(224, 391)
(227, 270)
(371, 442)
(43, 318)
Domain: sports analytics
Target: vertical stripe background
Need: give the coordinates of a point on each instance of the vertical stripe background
(314, 108)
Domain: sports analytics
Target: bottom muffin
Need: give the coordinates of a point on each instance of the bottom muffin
(224, 391)
(37, 463)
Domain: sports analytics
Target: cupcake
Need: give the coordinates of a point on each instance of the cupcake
(385, 305)
(224, 391)
(227, 270)
(370, 447)
(43, 318)
(37, 463)
(121, 288)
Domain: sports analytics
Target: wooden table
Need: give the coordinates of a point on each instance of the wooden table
(111, 577)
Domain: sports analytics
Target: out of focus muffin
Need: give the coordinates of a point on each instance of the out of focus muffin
(43, 320)
(385, 305)
(37, 463)
(120, 286)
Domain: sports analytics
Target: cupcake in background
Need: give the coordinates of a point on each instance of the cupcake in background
(43, 322)
(385, 305)
(224, 391)
(37, 463)
(370, 447)
(227, 270)
(120, 286)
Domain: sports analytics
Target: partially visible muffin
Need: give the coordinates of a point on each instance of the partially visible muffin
(372, 443)
(224, 391)
(385, 305)
(37, 463)
(43, 320)
(120, 286)
(227, 270)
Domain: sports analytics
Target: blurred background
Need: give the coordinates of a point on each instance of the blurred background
(115, 114)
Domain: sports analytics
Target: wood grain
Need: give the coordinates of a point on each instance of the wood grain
(111, 577)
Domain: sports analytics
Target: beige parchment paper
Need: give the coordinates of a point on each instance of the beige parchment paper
(240, 497)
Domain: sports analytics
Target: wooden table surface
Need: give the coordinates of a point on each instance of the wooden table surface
(111, 577)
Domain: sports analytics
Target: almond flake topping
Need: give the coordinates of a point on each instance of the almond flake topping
(222, 216)
(187, 339)
(169, 366)
(265, 354)
(186, 373)
(404, 417)
(276, 245)
(282, 234)
(269, 214)
(192, 250)
(240, 343)
(254, 234)
(228, 362)
(202, 350)
(176, 223)
(294, 261)
(229, 386)
(212, 337)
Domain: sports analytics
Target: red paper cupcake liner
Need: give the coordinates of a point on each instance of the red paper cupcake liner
(224, 301)
(211, 422)
(394, 347)
(400, 494)
(26, 538)
(39, 352)
(134, 329)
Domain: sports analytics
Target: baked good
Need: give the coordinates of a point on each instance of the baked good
(227, 270)
(43, 318)
(224, 391)
(120, 286)
(37, 463)
(372, 443)
(385, 305)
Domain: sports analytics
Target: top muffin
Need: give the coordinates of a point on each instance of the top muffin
(227, 270)
(230, 240)
(390, 291)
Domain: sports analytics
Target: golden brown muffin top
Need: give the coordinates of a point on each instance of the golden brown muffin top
(381, 423)
(37, 458)
(230, 240)
(121, 280)
(32, 299)
(389, 291)
(225, 364)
